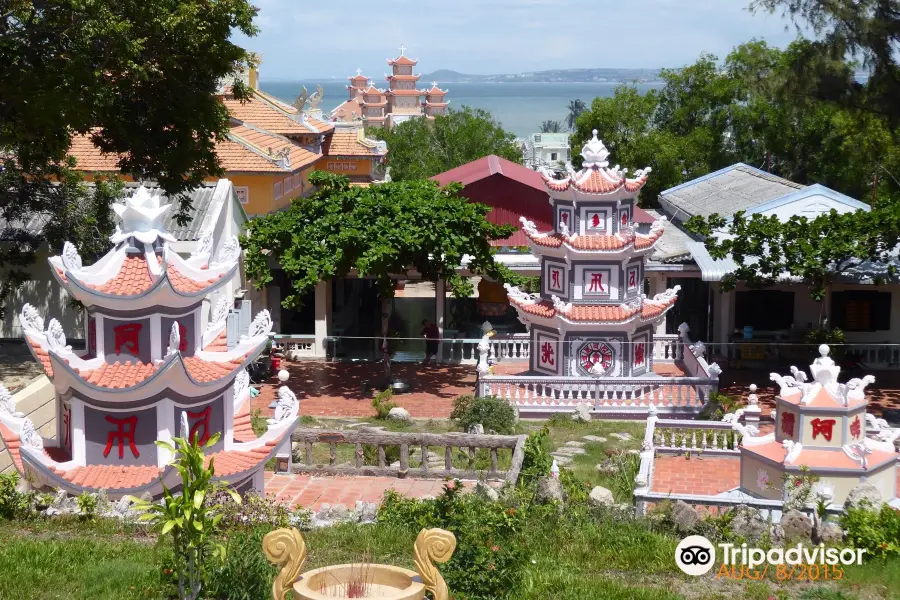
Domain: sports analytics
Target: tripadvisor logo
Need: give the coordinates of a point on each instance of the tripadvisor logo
(695, 555)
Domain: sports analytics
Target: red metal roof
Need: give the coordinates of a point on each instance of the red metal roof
(491, 165)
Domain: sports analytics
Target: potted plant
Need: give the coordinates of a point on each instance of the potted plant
(286, 548)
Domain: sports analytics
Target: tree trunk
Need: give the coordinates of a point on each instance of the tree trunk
(385, 348)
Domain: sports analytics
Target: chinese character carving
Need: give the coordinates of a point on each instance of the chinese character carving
(639, 354)
(822, 427)
(787, 424)
(127, 337)
(564, 218)
(624, 218)
(67, 426)
(596, 283)
(855, 427)
(182, 334)
(201, 423)
(92, 336)
(547, 353)
(632, 279)
(554, 279)
(595, 220)
(124, 433)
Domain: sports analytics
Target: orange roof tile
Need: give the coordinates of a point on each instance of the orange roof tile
(243, 427)
(348, 110)
(814, 458)
(248, 149)
(184, 284)
(13, 443)
(88, 157)
(219, 344)
(118, 375)
(598, 182)
(641, 242)
(110, 477)
(234, 461)
(132, 279)
(582, 242)
(822, 399)
(403, 60)
(373, 91)
(346, 142)
(650, 310)
(593, 313)
(205, 371)
(264, 115)
(43, 357)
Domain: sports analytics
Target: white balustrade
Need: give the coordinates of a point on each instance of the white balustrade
(667, 348)
(295, 347)
(680, 436)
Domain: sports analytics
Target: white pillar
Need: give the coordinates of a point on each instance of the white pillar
(724, 317)
(657, 286)
(440, 296)
(323, 315)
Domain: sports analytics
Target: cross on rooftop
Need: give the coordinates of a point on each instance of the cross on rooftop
(358, 71)
(402, 49)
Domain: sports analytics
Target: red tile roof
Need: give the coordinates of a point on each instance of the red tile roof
(184, 284)
(233, 461)
(596, 181)
(641, 242)
(110, 477)
(13, 443)
(248, 150)
(262, 114)
(132, 279)
(582, 242)
(347, 141)
(813, 458)
(403, 60)
(88, 157)
(204, 371)
(43, 357)
(243, 428)
(118, 375)
(822, 399)
(491, 165)
(219, 344)
(593, 313)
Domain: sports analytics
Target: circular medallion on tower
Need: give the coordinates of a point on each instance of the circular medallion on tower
(596, 358)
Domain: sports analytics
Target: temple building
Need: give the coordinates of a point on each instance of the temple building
(401, 101)
(591, 316)
(154, 367)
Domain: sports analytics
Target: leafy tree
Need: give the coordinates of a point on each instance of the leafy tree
(813, 251)
(421, 148)
(551, 127)
(575, 108)
(381, 232)
(137, 76)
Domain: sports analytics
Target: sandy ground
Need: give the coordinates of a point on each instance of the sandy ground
(17, 367)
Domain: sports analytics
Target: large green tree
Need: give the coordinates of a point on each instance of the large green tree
(420, 148)
(382, 232)
(138, 76)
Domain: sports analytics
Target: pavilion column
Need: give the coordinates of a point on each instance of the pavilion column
(440, 297)
(724, 316)
(323, 316)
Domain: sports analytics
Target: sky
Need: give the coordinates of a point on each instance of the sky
(303, 40)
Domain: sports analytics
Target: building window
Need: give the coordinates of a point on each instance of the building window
(765, 310)
(243, 193)
(278, 190)
(296, 181)
(554, 156)
(861, 310)
(341, 166)
(288, 184)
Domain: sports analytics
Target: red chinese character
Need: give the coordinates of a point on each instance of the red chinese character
(203, 421)
(182, 335)
(823, 427)
(127, 338)
(787, 424)
(92, 336)
(632, 279)
(564, 218)
(624, 218)
(547, 353)
(67, 423)
(639, 354)
(123, 433)
(596, 283)
(554, 279)
(855, 428)
(595, 220)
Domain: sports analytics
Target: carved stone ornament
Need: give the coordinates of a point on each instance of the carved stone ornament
(30, 437)
(31, 319)
(204, 245)
(261, 325)
(595, 153)
(56, 337)
(7, 402)
(218, 316)
(286, 549)
(230, 252)
(285, 404)
(174, 339)
(241, 383)
(70, 257)
(434, 546)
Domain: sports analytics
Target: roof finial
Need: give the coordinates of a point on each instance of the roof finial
(824, 350)
(595, 153)
(402, 49)
(358, 71)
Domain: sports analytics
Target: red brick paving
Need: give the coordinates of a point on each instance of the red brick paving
(708, 475)
(310, 492)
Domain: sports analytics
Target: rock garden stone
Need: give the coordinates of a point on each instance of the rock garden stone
(634, 452)
(748, 523)
(622, 437)
(549, 489)
(371, 428)
(476, 429)
(570, 451)
(776, 535)
(600, 496)
(574, 444)
(830, 533)
(608, 467)
(561, 459)
(582, 413)
(796, 526)
(486, 492)
(684, 516)
(864, 495)
(597, 439)
(398, 413)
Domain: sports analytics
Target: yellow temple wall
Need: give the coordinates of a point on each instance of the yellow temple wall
(360, 166)
(37, 401)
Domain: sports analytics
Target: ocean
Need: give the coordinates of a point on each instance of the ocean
(520, 107)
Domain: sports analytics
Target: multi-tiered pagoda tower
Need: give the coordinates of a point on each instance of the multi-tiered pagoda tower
(404, 100)
(591, 316)
(820, 429)
(152, 368)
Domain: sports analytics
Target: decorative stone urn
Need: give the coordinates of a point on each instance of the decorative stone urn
(286, 548)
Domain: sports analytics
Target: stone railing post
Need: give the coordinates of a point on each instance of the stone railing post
(753, 411)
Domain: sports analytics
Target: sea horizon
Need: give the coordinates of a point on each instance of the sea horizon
(520, 107)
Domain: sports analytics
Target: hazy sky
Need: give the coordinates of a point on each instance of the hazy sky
(301, 40)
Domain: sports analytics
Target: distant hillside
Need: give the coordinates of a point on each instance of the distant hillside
(556, 75)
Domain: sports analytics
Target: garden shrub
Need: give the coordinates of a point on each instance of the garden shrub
(245, 574)
(256, 510)
(537, 460)
(562, 421)
(13, 504)
(491, 551)
(87, 506)
(495, 414)
(878, 531)
(370, 455)
(718, 406)
(383, 403)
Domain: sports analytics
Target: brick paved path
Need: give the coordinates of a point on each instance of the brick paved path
(310, 492)
(709, 475)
